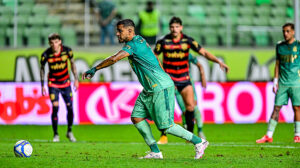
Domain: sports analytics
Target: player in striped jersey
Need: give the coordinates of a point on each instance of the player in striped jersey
(175, 48)
(57, 56)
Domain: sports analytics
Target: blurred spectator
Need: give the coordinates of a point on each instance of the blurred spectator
(106, 13)
(148, 25)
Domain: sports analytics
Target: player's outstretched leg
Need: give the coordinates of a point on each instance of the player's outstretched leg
(200, 144)
(163, 138)
(199, 123)
(145, 130)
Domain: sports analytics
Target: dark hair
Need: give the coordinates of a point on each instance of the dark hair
(289, 24)
(53, 36)
(175, 19)
(126, 23)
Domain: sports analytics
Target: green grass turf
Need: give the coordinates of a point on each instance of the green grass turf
(231, 145)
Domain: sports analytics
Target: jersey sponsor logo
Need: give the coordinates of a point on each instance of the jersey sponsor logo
(176, 55)
(58, 66)
(288, 58)
(158, 46)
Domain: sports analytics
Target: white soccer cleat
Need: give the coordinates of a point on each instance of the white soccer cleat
(153, 155)
(56, 138)
(200, 148)
(71, 137)
(201, 135)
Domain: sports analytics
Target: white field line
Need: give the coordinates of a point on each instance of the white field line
(222, 144)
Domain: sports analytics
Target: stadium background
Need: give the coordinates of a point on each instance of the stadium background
(242, 33)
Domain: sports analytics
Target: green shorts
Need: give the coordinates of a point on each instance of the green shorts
(284, 93)
(157, 106)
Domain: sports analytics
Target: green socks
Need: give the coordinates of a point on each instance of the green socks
(145, 130)
(198, 119)
(178, 131)
(271, 128)
(297, 128)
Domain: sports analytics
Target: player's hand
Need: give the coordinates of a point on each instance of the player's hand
(43, 91)
(76, 84)
(224, 67)
(89, 74)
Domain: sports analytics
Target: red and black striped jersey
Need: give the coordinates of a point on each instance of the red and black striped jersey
(176, 56)
(58, 75)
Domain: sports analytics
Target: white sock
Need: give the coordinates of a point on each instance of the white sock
(270, 134)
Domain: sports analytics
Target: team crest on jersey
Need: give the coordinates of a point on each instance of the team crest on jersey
(64, 57)
(295, 49)
(128, 47)
(184, 46)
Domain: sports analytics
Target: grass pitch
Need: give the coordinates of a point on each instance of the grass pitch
(231, 145)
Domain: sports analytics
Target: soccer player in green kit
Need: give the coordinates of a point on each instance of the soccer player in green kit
(156, 101)
(286, 81)
(163, 138)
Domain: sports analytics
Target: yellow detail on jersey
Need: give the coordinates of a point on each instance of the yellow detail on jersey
(299, 73)
(176, 55)
(43, 58)
(64, 57)
(71, 94)
(293, 58)
(70, 53)
(184, 40)
(195, 44)
(58, 66)
(288, 58)
(168, 40)
(158, 46)
(184, 46)
(295, 49)
(52, 96)
(154, 85)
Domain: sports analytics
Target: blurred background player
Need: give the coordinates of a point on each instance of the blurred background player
(163, 138)
(57, 56)
(149, 23)
(175, 48)
(286, 81)
(157, 100)
(106, 13)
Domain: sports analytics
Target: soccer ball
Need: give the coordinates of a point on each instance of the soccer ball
(23, 149)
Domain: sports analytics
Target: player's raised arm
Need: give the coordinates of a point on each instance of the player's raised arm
(213, 58)
(105, 63)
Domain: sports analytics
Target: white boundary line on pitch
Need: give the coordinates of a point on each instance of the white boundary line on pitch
(223, 144)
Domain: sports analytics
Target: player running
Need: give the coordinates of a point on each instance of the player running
(286, 81)
(175, 48)
(57, 56)
(163, 138)
(156, 101)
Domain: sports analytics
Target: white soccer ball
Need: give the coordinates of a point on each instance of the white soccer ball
(23, 149)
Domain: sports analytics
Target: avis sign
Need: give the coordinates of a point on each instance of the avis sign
(112, 103)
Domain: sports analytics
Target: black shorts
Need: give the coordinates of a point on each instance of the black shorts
(65, 92)
(181, 86)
